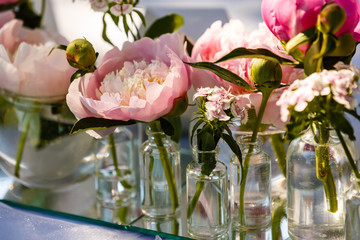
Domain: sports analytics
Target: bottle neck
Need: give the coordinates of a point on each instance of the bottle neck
(246, 143)
(201, 156)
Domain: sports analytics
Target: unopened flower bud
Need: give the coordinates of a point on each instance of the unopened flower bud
(266, 74)
(331, 18)
(81, 54)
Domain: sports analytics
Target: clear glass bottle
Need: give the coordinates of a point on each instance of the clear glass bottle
(256, 187)
(307, 206)
(352, 210)
(160, 174)
(115, 175)
(207, 196)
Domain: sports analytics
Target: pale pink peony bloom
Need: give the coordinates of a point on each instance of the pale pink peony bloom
(341, 84)
(287, 18)
(139, 82)
(26, 66)
(218, 41)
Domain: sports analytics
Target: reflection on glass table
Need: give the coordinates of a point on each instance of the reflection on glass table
(80, 199)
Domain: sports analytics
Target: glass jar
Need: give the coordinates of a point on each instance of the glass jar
(35, 145)
(115, 175)
(207, 196)
(308, 207)
(352, 210)
(250, 197)
(160, 174)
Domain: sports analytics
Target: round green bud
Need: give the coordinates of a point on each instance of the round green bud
(331, 18)
(81, 54)
(345, 46)
(266, 74)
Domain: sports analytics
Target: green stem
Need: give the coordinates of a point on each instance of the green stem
(165, 161)
(42, 11)
(265, 98)
(22, 142)
(123, 182)
(323, 168)
(199, 187)
(348, 154)
(278, 145)
(122, 214)
(151, 167)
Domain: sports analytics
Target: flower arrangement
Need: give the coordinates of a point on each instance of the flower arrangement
(293, 73)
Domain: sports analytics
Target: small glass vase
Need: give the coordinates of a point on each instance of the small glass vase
(207, 196)
(115, 176)
(251, 197)
(352, 210)
(160, 174)
(36, 147)
(307, 205)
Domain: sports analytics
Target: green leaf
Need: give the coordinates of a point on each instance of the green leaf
(98, 123)
(231, 142)
(205, 139)
(104, 35)
(126, 26)
(141, 16)
(296, 126)
(77, 74)
(167, 24)
(339, 121)
(222, 73)
(167, 127)
(177, 126)
(195, 127)
(311, 63)
(59, 46)
(304, 37)
(254, 53)
(115, 19)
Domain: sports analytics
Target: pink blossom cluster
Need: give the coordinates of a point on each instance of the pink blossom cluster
(120, 8)
(221, 104)
(340, 83)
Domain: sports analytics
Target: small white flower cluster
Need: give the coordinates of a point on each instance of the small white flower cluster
(341, 83)
(218, 100)
(120, 8)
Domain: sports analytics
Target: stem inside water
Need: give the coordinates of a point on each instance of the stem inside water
(112, 145)
(22, 142)
(323, 168)
(165, 161)
(265, 98)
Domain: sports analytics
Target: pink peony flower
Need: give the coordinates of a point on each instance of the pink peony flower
(6, 17)
(139, 82)
(340, 83)
(287, 18)
(219, 40)
(25, 64)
